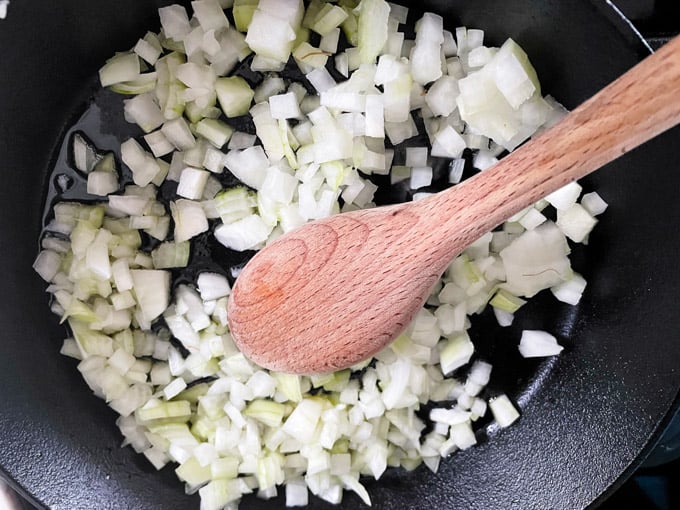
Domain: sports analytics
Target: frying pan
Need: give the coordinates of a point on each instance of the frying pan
(589, 416)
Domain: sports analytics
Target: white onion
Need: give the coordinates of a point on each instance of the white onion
(252, 430)
(189, 218)
(576, 222)
(593, 203)
(564, 197)
(245, 234)
(571, 290)
(536, 343)
(504, 412)
(47, 264)
(284, 106)
(175, 21)
(425, 57)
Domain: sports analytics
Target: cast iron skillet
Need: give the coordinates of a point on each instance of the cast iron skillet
(588, 417)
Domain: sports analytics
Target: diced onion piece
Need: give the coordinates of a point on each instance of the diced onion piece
(213, 286)
(372, 29)
(241, 140)
(571, 290)
(179, 134)
(515, 77)
(504, 412)
(575, 222)
(47, 264)
(243, 12)
(279, 186)
(309, 57)
(593, 203)
(144, 111)
(234, 204)
(302, 422)
(375, 116)
(270, 36)
(462, 435)
(483, 160)
(329, 42)
(269, 131)
(421, 177)
(448, 143)
(267, 412)
(425, 57)
(297, 493)
(536, 260)
(416, 156)
(284, 106)
(342, 64)
(321, 79)
(215, 131)
(330, 17)
(171, 255)
(245, 234)
(536, 343)
(192, 182)
(452, 416)
(210, 14)
(97, 259)
(532, 219)
(456, 169)
(102, 183)
(143, 165)
(504, 300)
(85, 156)
(175, 21)
(159, 144)
(121, 68)
(456, 353)
(503, 317)
(234, 95)
(174, 388)
(148, 48)
(152, 288)
(565, 197)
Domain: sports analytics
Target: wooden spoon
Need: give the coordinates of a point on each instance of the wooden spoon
(336, 291)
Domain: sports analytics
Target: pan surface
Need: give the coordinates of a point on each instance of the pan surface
(588, 416)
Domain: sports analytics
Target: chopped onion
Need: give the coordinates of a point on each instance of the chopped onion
(456, 353)
(47, 264)
(571, 290)
(121, 68)
(372, 29)
(245, 234)
(152, 289)
(564, 197)
(284, 106)
(503, 411)
(593, 203)
(425, 57)
(232, 427)
(192, 182)
(536, 343)
(234, 95)
(576, 222)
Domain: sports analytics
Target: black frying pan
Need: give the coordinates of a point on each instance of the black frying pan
(588, 417)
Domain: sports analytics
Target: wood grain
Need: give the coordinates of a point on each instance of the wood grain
(338, 290)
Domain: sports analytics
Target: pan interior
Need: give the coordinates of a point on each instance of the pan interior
(587, 415)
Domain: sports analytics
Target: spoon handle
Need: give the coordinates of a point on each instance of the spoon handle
(639, 105)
